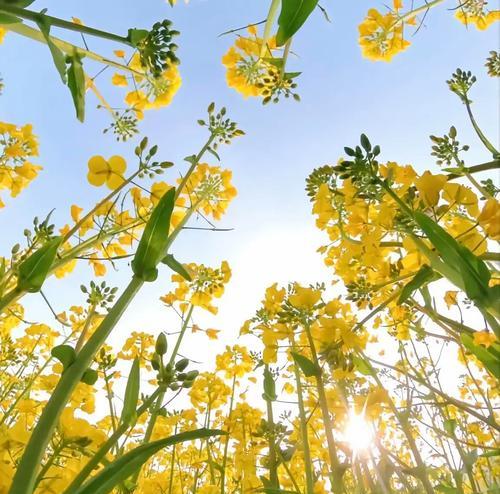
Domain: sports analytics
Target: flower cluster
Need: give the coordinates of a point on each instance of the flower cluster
(17, 146)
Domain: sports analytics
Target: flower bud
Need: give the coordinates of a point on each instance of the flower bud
(161, 344)
(181, 364)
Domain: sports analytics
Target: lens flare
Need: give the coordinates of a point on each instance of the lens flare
(358, 433)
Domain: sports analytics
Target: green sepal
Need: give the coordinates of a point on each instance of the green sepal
(135, 36)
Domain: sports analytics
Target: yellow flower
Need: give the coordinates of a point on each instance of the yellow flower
(246, 70)
(484, 338)
(429, 187)
(109, 172)
(381, 36)
(119, 53)
(450, 298)
(119, 80)
(304, 298)
(2, 34)
(489, 218)
(474, 12)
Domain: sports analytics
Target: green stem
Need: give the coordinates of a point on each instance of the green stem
(55, 21)
(181, 334)
(286, 52)
(479, 132)
(66, 47)
(483, 167)
(226, 445)
(272, 463)
(8, 299)
(24, 478)
(303, 432)
(271, 16)
(336, 472)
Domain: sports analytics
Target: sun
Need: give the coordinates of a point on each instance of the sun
(358, 433)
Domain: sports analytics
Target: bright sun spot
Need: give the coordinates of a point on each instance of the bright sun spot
(358, 433)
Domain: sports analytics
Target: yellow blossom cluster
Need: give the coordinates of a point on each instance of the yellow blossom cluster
(146, 92)
(17, 146)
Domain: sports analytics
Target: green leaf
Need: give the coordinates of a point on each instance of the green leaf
(119, 470)
(269, 386)
(424, 275)
(473, 272)
(450, 425)
(291, 75)
(76, 84)
(153, 244)
(19, 3)
(306, 366)
(490, 361)
(176, 266)
(9, 19)
(493, 452)
(89, 377)
(65, 354)
(362, 365)
(34, 269)
(293, 15)
(57, 55)
(131, 394)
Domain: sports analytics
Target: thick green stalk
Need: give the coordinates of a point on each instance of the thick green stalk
(55, 21)
(24, 478)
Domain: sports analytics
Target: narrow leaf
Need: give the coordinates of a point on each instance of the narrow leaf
(76, 84)
(293, 15)
(57, 55)
(119, 470)
(474, 273)
(269, 386)
(490, 361)
(362, 365)
(131, 394)
(34, 269)
(424, 275)
(153, 244)
(306, 366)
(176, 266)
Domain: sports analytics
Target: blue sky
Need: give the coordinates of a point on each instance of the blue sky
(398, 105)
